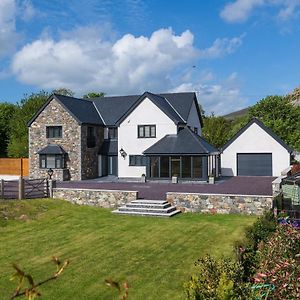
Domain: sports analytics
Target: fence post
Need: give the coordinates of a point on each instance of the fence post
(52, 184)
(21, 188)
(2, 188)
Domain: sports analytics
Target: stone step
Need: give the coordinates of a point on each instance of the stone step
(149, 201)
(148, 205)
(148, 210)
(136, 213)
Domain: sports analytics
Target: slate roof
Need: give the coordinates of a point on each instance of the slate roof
(52, 149)
(264, 127)
(110, 111)
(109, 148)
(184, 142)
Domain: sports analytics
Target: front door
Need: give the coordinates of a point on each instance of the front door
(112, 165)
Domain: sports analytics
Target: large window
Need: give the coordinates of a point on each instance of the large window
(197, 167)
(53, 161)
(154, 166)
(186, 167)
(91, 138)
(164, 166)
(137, 160)
(113, 133)
(146, 131)
(54, 132)
(175, 166)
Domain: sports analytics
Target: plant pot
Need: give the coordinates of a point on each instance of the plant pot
(143, 178)
(211, 180)
(174, 179)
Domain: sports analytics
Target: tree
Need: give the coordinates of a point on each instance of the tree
(64, 92)
(25, 110)
(7, 111)
(280, 115)
(93, 95)
(216, 130)
(294, 96)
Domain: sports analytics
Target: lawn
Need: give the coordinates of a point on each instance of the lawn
(155, 255)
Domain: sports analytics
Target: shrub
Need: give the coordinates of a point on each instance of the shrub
(279, 263)
(217, 279)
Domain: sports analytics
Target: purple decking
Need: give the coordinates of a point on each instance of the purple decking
(242, 185)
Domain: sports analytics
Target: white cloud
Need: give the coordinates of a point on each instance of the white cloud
(27, 10)
(241, 10)
(8, 35)
(84, 61)
(216, 97)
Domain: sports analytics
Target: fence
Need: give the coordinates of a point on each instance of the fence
(14, 166)
(25, 188)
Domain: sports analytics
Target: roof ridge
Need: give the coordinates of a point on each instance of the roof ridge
(97, 110)
(175, 109)
(198, 138)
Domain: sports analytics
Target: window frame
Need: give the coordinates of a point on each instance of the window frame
(52, 128)
(59, 161)
(90, 137)
(137, 160)
(141, 131)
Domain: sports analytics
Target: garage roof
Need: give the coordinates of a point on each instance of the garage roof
(264, 127)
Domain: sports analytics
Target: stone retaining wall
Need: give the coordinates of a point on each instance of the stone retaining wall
(100, 198)
(222, 204)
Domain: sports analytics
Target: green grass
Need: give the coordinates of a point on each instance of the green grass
(154, 255)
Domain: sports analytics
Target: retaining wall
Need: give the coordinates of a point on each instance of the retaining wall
(222, 204)
(100, 198)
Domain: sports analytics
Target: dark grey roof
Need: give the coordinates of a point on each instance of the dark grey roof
(52, 149)
(265, 128)
(112, 109)
(109, 147)
(185, 142)
(83, 111)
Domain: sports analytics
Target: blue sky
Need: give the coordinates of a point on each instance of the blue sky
(232, 53)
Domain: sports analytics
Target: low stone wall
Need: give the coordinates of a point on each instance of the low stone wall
(222, 204)
(100, 198)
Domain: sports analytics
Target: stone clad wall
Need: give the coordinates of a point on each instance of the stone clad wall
(100, 198)
(55, 114)
(222, 204)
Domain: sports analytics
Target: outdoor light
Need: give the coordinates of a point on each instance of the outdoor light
(50, 173)
(123, 153)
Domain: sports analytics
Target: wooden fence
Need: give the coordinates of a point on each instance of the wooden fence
(14, 166)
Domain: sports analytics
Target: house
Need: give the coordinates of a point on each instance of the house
(156, 135)
(255, 151)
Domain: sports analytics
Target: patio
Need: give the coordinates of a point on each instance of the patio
(241, 185)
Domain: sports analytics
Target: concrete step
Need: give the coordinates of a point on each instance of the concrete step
(141, 207)
(150, 214)
(148, 210)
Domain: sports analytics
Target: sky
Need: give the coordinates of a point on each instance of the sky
(231, 53)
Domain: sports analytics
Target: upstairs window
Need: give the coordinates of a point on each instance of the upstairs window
(91, 139)
(113, 133)
(146, 131)
(137, 160)
(54, 132)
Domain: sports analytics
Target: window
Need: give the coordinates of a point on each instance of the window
(164, 166)
(54, 132)
(154, 166)
(53, 161)
(137, 160)
(91, 139)
(196, 130)
(197, 167)
(113, 133)
(146, 131)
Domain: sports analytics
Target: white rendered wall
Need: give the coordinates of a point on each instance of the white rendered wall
(254, 140)
(146, 113)
(193, 119)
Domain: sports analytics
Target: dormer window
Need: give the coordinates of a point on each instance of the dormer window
(54, 132)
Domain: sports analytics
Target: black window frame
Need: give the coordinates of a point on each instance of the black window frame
(137, 160)
(52, 130)
(59, 161)
(142, 128)
(90, 137)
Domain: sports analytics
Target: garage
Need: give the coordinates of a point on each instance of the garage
(254, 164)
(255, 150)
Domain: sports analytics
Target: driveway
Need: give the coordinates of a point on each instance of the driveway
(242, 185)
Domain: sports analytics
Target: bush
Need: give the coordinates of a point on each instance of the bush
(217, 279)
(279, 263)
